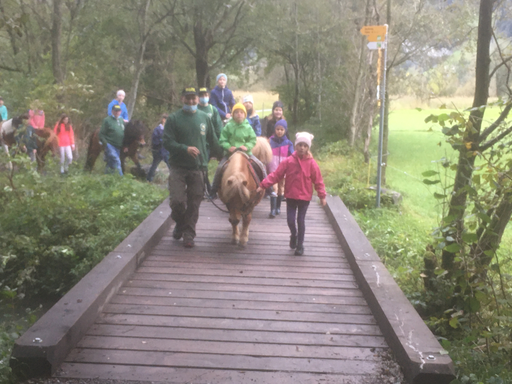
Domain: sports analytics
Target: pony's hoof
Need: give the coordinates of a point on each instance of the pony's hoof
(234, 241)
(241, 246)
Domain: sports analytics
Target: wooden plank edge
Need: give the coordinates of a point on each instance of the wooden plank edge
(415, 347)
(44, 346)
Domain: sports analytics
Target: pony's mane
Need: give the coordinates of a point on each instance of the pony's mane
(236, 183)
(133, 130)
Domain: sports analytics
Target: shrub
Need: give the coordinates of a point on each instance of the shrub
(59, 228)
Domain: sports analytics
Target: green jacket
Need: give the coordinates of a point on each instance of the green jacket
(112, 131)
(183, 130)
(213, 113)
(236, 135)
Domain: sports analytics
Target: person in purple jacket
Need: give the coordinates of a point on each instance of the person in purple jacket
(222, 98)
(282, 147)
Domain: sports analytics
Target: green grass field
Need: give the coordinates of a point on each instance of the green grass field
(415, 147)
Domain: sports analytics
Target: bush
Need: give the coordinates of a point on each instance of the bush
(53, 230)
(346, 175)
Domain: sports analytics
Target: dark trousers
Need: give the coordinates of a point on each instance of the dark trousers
(186, 191)
(292, 207)
(157, 158)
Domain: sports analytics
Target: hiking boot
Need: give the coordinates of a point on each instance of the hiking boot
(273, 202)
(299, 251)
(188, 242)
(293, 241)
(176, 234)
(278, 204)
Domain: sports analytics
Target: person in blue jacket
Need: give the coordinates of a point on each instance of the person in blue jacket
(3, 110)
(119, 101)
(222, 98)
(157, 148)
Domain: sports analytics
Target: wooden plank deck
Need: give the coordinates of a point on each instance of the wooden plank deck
(219, 314)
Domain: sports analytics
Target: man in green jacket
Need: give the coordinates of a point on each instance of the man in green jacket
(188, 133)
(210, 110)
(213, 113)
(111, 137)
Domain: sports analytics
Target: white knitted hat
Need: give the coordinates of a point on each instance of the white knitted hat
(303, 137)
(248, 99)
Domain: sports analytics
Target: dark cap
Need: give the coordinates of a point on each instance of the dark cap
(277, 104)
(189, 91)
(203, 90)
(116, 107)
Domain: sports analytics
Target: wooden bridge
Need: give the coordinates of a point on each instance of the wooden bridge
(155, 311)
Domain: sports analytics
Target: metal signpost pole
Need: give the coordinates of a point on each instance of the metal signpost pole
(381, 125)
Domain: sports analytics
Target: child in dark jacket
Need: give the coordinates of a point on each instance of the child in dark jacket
(302, 172)
(282, 147)
(222, 98)
(269, 122)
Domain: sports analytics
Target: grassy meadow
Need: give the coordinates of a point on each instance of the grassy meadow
(415, 147)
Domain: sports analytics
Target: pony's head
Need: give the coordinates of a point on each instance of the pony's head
(236, 187)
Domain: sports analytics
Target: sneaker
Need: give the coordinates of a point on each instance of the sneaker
(188, 242)
(176, 234)
(300, 250)
(293, 242)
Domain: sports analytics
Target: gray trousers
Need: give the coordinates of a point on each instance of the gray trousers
(186, 191)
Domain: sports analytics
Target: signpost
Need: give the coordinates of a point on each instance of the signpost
(377, 36)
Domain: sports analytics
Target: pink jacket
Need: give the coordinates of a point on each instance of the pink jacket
(300, 174)
(66, 138)
(36, 120)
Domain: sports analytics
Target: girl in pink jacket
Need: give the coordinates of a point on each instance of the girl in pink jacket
(302, 172)
(66, 136)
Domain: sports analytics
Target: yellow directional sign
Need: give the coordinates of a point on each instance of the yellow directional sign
(375, 38)
(374, 30)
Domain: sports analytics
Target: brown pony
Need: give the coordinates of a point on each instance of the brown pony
(47, 141)
(238, 189)
(133, 139)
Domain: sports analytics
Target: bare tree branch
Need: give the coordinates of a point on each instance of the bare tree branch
(493, 141)
(503, 115)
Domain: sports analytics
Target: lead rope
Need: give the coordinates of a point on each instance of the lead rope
(205, 176)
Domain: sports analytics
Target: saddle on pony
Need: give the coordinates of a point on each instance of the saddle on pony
(256, 168)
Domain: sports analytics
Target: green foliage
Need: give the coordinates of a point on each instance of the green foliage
(468, 294)
(53, 230)
(345, 173)
(477, 332)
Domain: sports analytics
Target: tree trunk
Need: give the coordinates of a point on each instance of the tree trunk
(458, 202)
(296, 69)
(491, 238)
(202, 70)
(9, 31)
(58, 74)
(139, 66)
(358, 93)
